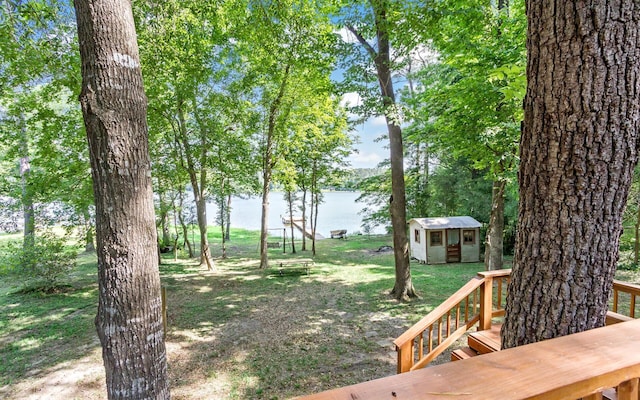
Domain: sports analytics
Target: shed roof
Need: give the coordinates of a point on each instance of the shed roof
(447, 222)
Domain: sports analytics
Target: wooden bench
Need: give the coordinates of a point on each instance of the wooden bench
(339, 234)
(305, 263)
(273, 245)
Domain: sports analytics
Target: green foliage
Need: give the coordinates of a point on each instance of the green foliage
(39, 266)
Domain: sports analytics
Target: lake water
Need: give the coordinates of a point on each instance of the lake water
(339, 210)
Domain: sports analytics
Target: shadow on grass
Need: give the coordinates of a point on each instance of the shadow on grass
(242, 332)
(259, 335)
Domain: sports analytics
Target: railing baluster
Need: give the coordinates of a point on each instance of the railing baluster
(615, 300)
(448, 323)
(632, 308)
(475, 301)
(499, 294)
(430, 338)
(439, 331)
(421, 346)
(628, 390)
(458, 316)
(466, 309)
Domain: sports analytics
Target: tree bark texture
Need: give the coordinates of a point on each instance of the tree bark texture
(129, 320)
(403, 287)
(493, 255)
(578, 150)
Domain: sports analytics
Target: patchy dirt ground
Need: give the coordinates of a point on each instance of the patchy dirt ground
(232, 338)
(243, 333)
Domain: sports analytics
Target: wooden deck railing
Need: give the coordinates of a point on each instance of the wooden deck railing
(582, 365)
(625, 291)
(475, 302)
(480, 300)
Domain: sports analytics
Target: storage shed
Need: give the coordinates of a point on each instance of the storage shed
(445, 239)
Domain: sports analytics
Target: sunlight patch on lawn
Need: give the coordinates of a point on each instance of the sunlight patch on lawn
(204, 289)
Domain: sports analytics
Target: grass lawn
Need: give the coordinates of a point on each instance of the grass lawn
(235, 333)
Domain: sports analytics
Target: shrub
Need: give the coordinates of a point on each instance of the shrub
(42, 264)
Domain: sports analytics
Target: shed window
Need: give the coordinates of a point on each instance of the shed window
(436, 238)
(469, 236)
(416, 235)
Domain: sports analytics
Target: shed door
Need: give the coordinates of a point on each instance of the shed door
(453, 245)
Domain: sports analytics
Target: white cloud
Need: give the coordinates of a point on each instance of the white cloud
(350, 99)
(365, 160)
(378, 121)
(347, 36)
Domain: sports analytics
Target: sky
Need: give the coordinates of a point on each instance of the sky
(370, 152)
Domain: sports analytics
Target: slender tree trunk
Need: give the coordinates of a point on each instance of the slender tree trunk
(129, 320)
(223, 212)
(403, 288)
(577, 153)
(89, 245)
(314, 206)
(264, 220)
(221, 206)
(198, 191)
(303, 209)
(493, 255)
(267, 166)
(185, 228)
(27, 194)
(164, 220)
(227, 233)
(290, 203)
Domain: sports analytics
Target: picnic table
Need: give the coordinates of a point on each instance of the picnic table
(305, 263)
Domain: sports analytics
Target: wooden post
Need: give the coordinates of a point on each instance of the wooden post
(164, 311)
(628, 390)
(405, 357)
(486, 302)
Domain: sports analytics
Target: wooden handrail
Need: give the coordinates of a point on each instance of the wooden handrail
(446, 323)
(629, 289)
(576, 366)
(450, 320)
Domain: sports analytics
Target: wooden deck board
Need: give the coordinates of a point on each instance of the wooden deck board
(563, 368)
(487, 341)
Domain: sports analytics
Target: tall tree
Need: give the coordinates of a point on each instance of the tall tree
(473, 94)
(381, 58)
(285, 45)
(578, 150)
(129, 320)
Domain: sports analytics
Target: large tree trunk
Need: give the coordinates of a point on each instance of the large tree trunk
(129, 320)
(403, 287)
(578, 150)
(493, 254)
